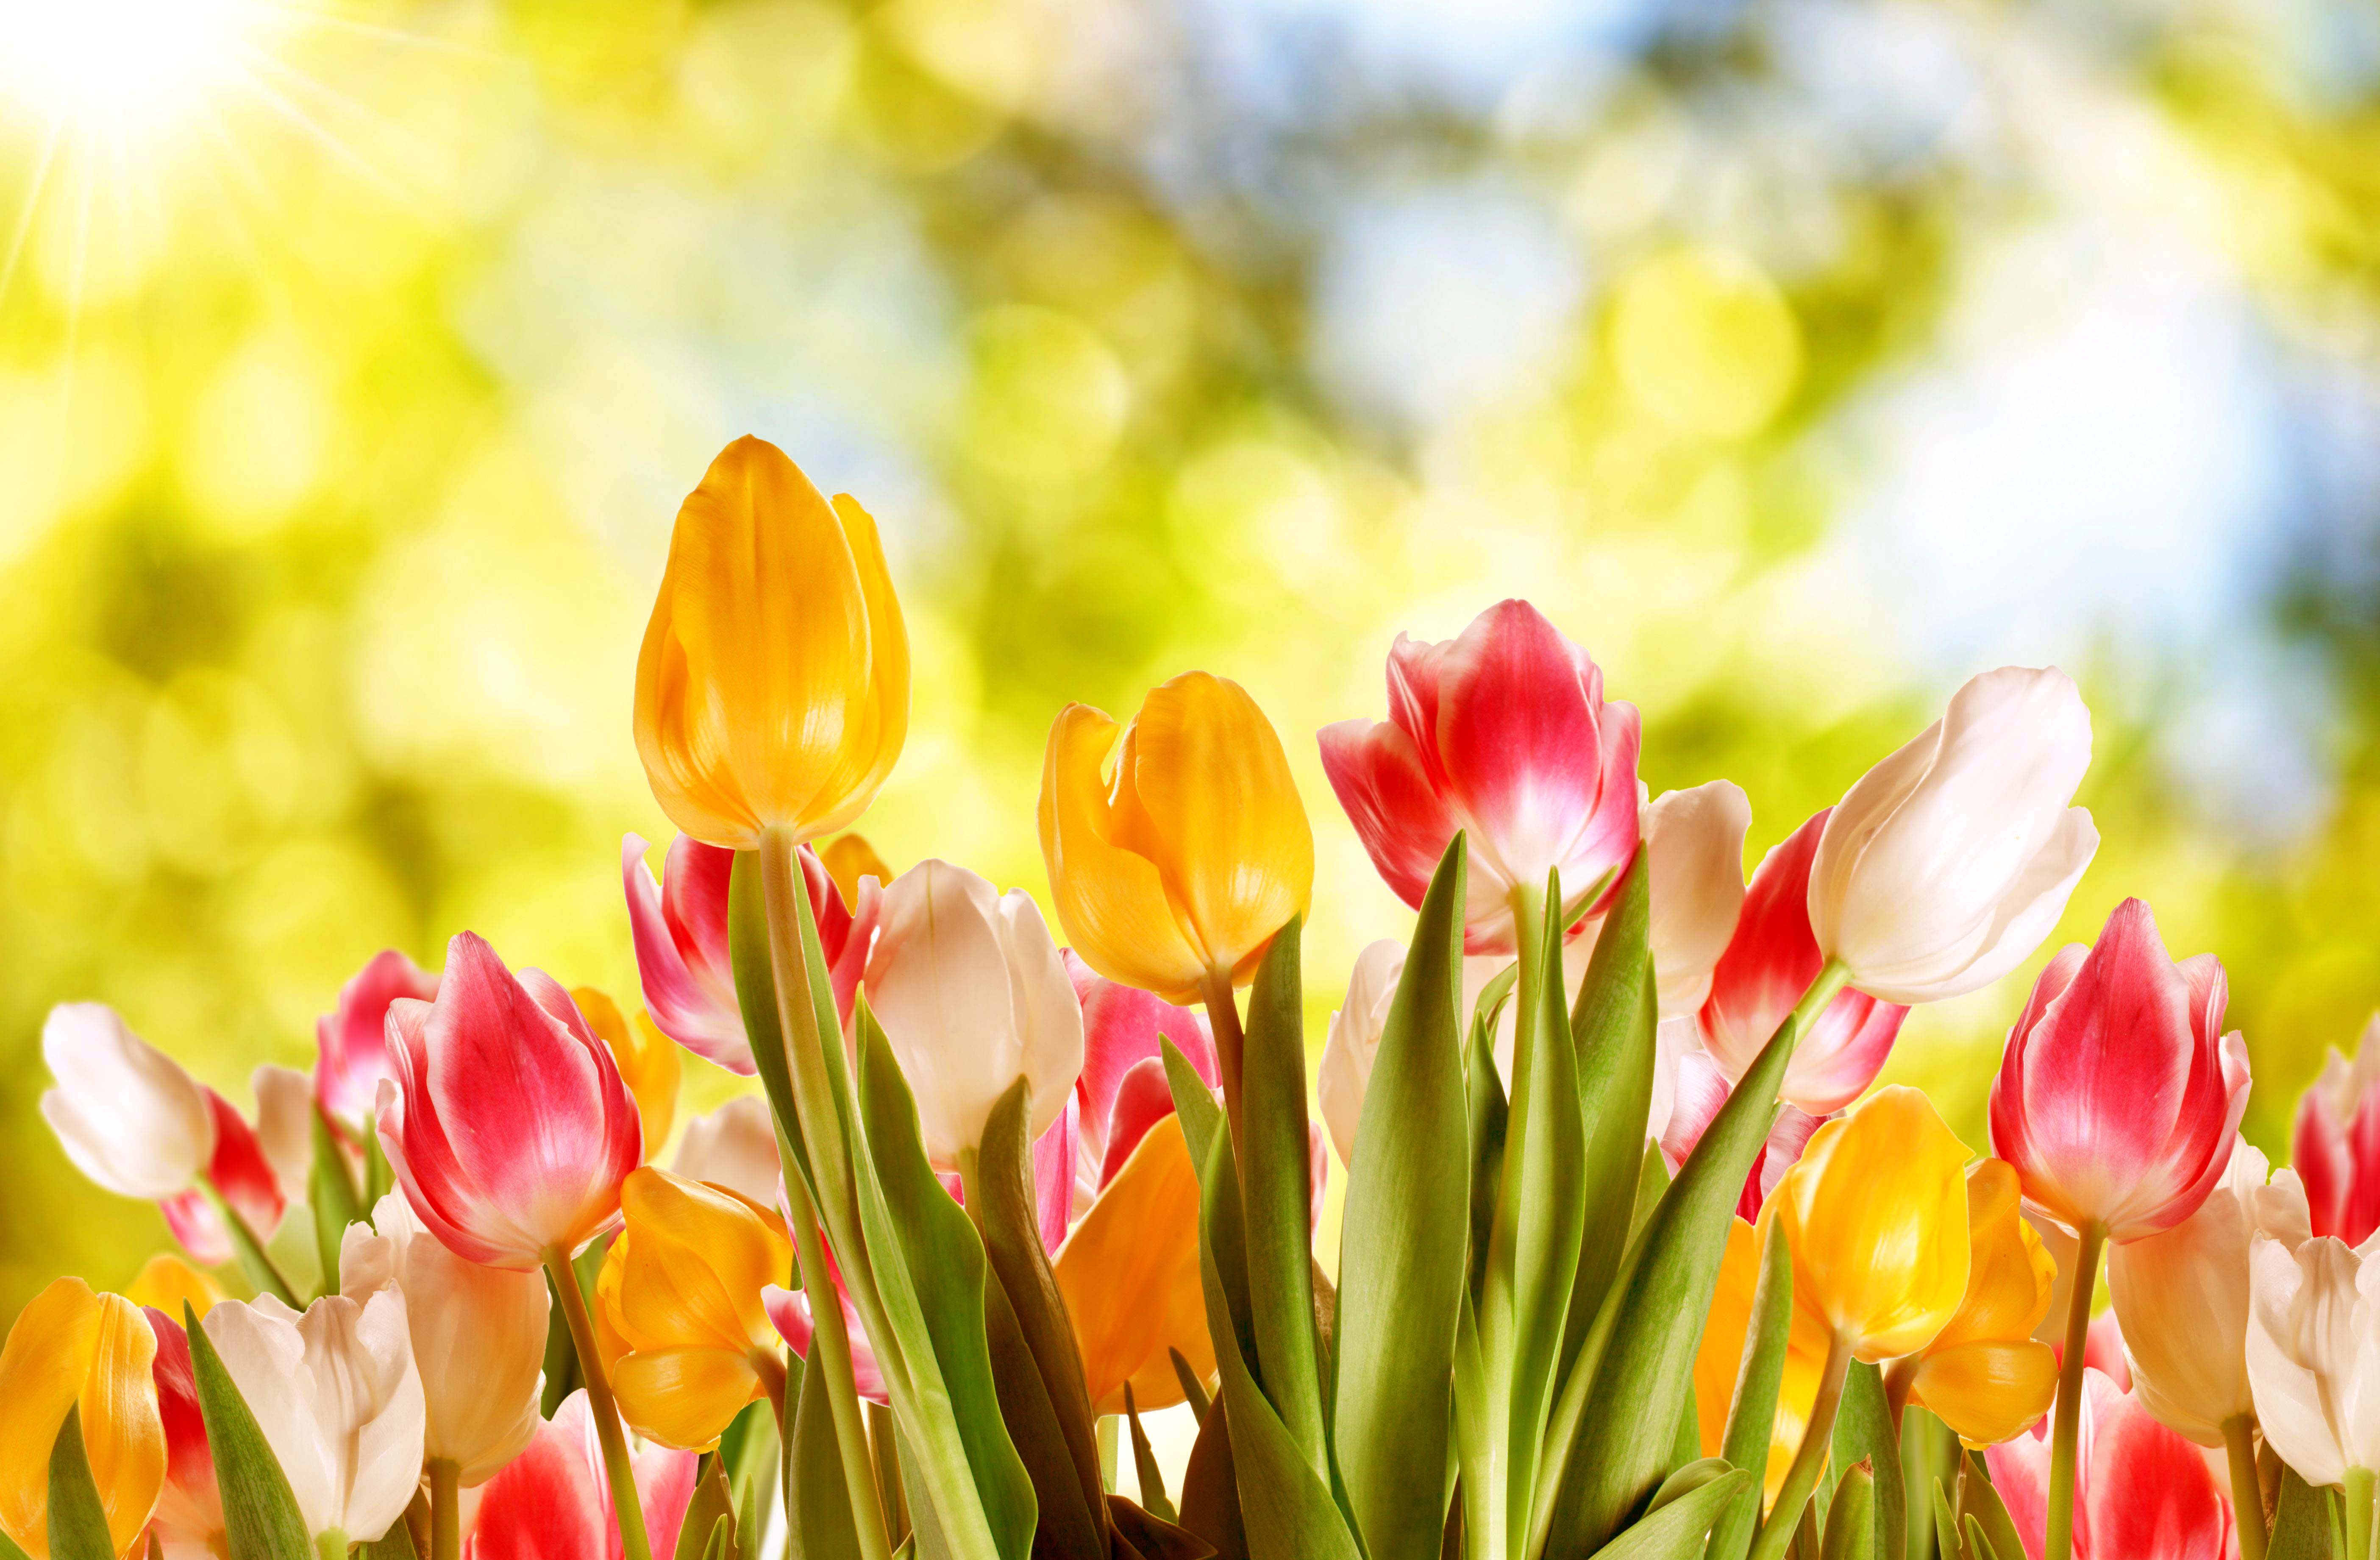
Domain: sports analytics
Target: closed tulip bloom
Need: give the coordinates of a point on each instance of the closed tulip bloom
(351, 1044)
(478, 1333)
(733, 1147)
(972, 995)
(1176, 845)
(1693, 850)
(554, 1502)
(1129, 1273)
(1984, 1373)
(647, 1062)
(1501, 732)
(679, 925)
(73, 1349)
(773, 691)
(2336, 1146)
(2314, 1355)
(241, 1173)
(188, 1517)
(1877, 1213)
(1719, 1359)
(2140, 1492)
(126, 1114)
(2184, 1297)
(687, 1337)
(508, 1125)
(2119, 1095)
(1948, 862)
(1769, 963)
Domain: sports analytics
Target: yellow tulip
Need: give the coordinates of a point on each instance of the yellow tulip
(1174, 867)
(166, 1281)
(1876, 1212)
(1129, 1273)
(647, 1060)
(1721, 1357)
(773, 691)
(71, 1348)
(850, 858)
(678, 1315)
(1984, 1373)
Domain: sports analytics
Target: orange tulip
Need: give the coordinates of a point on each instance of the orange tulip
(1721, 1357)
(1129, 1273)
(1984, 1373)
(648, 1063)
(73, 1348)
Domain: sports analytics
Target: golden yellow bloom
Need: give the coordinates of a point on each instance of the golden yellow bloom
(1185, 857)
(1721, 1357)
(847, 860)
(1877, 1212)
(649, 1062)
(1129, 1273)
(773, 691)
(166, 1283)
(72, 1347)
(1984, 1373)
(679, 1313)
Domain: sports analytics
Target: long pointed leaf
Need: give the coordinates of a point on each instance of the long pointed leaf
(1611, 1026)
(1751, 1415)
(331, 1195)
(1675, 1532)
(1852, 1531)
(2301, 1523)
(1984, 1503)
(1487, 1118)
(1194, 1391)
(1144, 1463)
(818, 1504)
(77, 1518)
(1864, 1432)
(1211, 1488)
(260, 1517)
(1276, 1193)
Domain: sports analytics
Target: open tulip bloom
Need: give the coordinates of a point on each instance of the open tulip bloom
(1636, 1256)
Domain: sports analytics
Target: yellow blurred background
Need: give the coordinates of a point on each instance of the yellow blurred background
(1798, 357)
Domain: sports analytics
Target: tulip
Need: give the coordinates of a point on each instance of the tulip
(680, 929)
(126, 1114)
(555, 1499)
(1122, 1090)
(189, 1519)
(1353, 1040)
(352, 1043)
(166, 1283)
(1984, 1373)
(733, 1148)
(1946, 864)
(972, 995)
(850, 861)
(2313, 1360)
(1174, 875)
(1694, 848)
(1719, 1359)
(687, 1340)
(1129, 1275)
(1698, 1091)
(772, 690)
(240, 1174)
(2143, 1492)
(647, 1063)
(74, 1349)
(335, 1391)
(1769, 962)
(1504, 734)
(2336, 1144)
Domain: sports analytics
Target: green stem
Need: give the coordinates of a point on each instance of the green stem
(600, 1402)
(254, 1257)
(1801, 1478)
(2359, 1514)
(1231, 1041)
(2247, 1494)
(2069, 1424)
(1108, 1451)
(330, 1544)
(1504, 1502)
(830, 1353)
(445, 1509)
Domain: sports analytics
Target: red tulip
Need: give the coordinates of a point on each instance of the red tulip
(352, 1043)
(2118, 1093)
(680, 929)
(2337, 1145)
(2140, 1491)
(1503, 733)
(554, 1501)
(508, 1125)
(1767, 965)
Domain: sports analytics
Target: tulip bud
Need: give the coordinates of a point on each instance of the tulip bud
(554, 1500)
(125, 1113)
(1693, 849)
(73, 1349)
(1949, 861)
(1129, 1273)
(508, 1125)
(1175, 873)
(1984, 1373)
(972, 995)
(735, 1148)
(242, 1175)
(647, 1062)
(2120, 1021)
(2140, 1492)
(686, 1337)
(773, 691)
(2336, 1144)
(189, 1516)
(352, 1043)
(1501, 732)
(2314, 1354)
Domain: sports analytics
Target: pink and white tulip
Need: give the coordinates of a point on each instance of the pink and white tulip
(2140, 1492)
(507, 1125)
(1353, 1040)
(2119, 1095)
(1121, 1091)
(1503, 733)
(2335, 1145)
(554, 1502)
(351, 1044)
(240, 1171)
(683, 962)
(126, 1114)
(1947, 863)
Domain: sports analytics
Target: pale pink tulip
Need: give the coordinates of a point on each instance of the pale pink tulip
(1702, 1088)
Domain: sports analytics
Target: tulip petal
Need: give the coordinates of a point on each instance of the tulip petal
(1988, 1390)
(126, 1114)
(546, 1503)
(689, 995)
(2146, 1494)
(880, 720)
(1111, 900)
(352, 1043)
(1129, 1275)
(1382, 781)
(1693, 847)
(684, 1397)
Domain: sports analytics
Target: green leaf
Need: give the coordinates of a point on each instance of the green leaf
(722, 1540)
(1211, 1488)
(1652, 1180)
(1852, 1531)
(1946, 1525)
(1980, 1545)
(1144, 1463)
(1202, 1132)
(9, 1550)
(1276, 1195)
(1143, 1535)
(1490, 1008)
(331, 1193)
(2301, 1528)
(379, 1179)
(394, 1544)
(1404, 1253)
(711, 1510)
(1675, 1532)
(1612, 1028)
(749, 1451)
(1928, 1450)
(1984, 1503)
(818, 1503)
(1751, 1414)
(1485, 1119)
(1864, 1432)
(78, 1518)
(261, 1517)
(1194, 1391)
(1689, 1477)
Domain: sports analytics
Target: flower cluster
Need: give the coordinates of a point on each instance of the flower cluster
(1635, 1250)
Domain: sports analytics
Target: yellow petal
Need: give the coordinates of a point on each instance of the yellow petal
(649, 1062)
(685, 1397)
(1110, 901)
(1721, 1357)
(699, 1256)
(2010, 1275)
(1129, 1273)
(168, 1283)
(1988, 1391)
(849, 860)
(121, 1432)
(72, 1347)
(880, 721)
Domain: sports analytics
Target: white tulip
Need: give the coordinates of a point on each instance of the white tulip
(125, 1113)
(1355, 1040)
(1693, 850)
(284, 1125)
(736, 1147)
(1947, 863)
(2314, 1355)
(972, 994)
(338, 1398)
(2183, 1298)
(479, 1336)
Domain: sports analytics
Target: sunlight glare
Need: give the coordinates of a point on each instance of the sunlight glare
(118, 66)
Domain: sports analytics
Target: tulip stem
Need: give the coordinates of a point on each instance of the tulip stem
(617, 1466)
(445, 1509)
(2247, 1493)
(330, 1544)
(253, 1257)
(1801, 1478)
(1230, 1040)
(2359, 1514)
(830, 1353)
(2069, 1424)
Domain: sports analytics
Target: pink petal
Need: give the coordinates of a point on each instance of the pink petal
(240, 1171)
(1143, 1100)
(664, 1488)
(189, 1462)
(193, 1222)
(1054, 1175)
(789, 1312)
(683, 989)
(2318, 1149)
(2020, 1470)
(1382, 782)
(352, 1055)
(550, 1502)
(2143, 1492)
